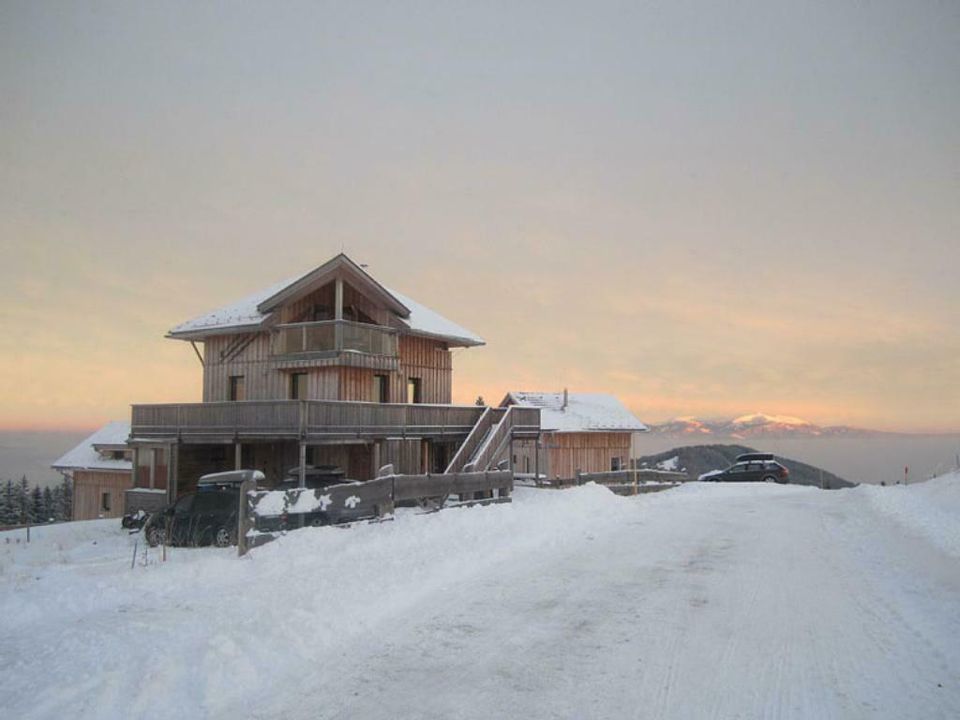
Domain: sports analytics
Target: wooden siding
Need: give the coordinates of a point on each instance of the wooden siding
(268, 378)
(562, 454)
(89, 487)
(429, 360)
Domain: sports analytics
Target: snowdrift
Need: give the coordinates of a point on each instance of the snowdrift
(930, 509)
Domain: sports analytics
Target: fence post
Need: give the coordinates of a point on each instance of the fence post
(243, 517)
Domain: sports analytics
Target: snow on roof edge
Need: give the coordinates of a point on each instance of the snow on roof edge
(85, 457)
(585, 412)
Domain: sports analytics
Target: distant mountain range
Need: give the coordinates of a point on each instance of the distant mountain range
(758, 425)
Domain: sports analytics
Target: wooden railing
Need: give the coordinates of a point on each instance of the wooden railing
(517, 421)
(335, 336)
(491, 416)
(301, 419)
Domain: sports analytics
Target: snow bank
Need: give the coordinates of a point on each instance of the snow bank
(70, 600)
(930, 509)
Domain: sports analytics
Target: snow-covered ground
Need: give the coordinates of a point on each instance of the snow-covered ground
(707, 601)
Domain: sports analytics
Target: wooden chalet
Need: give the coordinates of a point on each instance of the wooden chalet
(580, 432)
(100, 468)
(329, 368)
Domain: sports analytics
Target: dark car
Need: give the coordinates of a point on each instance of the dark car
(317, 477)
(752, 467)
(205, 517)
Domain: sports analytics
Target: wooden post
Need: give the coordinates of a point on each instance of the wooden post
(237, 456)
(244, 524)
(174, 481)
(375, 458)
(338, 314)
(303, 465)
(536, 460)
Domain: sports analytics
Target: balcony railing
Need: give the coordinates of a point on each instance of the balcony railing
(305, 419)
(334, 336)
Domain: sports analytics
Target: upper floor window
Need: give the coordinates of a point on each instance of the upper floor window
(298, 386)
(381, 388)
(616, 464)
(414, 390)
(238, 389)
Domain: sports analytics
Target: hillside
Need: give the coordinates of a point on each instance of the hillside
(698, 459)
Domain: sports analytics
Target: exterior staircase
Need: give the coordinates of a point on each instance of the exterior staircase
(488, 443)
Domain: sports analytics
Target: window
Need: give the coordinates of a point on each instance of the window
(381, 388)
(298, 386)
(238, 390)
(616, 464)
(105, 502)
(413, 390)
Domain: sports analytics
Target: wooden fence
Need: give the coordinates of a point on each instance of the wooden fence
(622, 482)
(263, 513)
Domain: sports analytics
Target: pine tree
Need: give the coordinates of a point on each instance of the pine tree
(22, 499)
(49, 512)
(36, 505)
(8, 511)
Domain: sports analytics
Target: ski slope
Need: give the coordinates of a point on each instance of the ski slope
(708, 601)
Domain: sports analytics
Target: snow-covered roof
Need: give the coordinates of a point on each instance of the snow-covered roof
(245, 314)
(239, 314)
(584, 412)
(425, 321)
(85, 455)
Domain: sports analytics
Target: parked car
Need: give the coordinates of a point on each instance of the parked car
(750, 467)
(317, 477)
(205, 517)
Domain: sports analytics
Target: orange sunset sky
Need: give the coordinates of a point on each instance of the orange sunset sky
(705, 211)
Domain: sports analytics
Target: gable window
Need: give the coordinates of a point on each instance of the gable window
(238, 390)
(381, 388)
(298, 386)
(413, 390)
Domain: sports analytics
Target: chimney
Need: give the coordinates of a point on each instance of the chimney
(566, 399)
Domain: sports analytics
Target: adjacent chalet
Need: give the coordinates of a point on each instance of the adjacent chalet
(329, 368)
(581, 432)
(101, 470)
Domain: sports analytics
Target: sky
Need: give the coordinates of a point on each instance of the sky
(705, 208)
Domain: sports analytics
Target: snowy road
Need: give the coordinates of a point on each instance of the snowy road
(704, 602)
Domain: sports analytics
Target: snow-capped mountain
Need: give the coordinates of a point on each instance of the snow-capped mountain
(756, 424)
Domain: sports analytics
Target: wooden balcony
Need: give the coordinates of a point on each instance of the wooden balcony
(334, 336)
(304, 419)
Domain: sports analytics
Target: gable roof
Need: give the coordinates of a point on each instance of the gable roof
(250, 313)
(85, 456)
(585, 412)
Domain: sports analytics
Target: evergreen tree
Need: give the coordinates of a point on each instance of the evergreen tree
(22, 499)
(49, 511)
(8, 510)
(36, 505)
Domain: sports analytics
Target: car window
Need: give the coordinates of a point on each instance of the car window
(183, 505)
(739, 467)
(209, 501)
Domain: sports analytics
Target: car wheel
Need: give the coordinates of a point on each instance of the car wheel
(223, 538)
(155, 535)
(769, 478)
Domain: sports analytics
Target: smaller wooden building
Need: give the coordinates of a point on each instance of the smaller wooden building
(585, 432)
(101, 469)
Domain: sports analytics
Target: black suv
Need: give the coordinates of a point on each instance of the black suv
(751, 467)
(205, 517)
